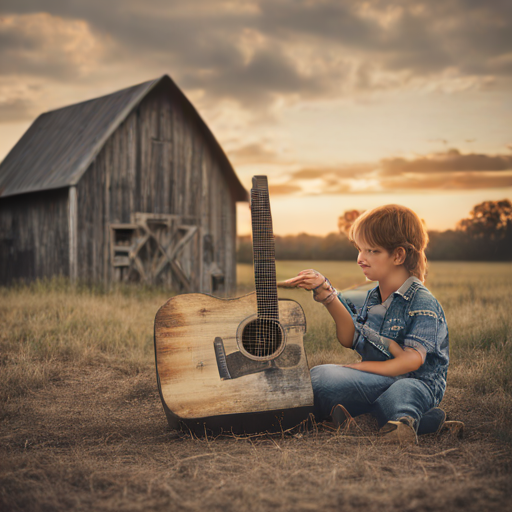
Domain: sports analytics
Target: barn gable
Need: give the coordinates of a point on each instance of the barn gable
(132, 186)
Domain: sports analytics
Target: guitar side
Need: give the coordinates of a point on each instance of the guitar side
(197, 381)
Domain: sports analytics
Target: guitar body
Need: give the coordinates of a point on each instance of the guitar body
(236, 364)
(212, 375)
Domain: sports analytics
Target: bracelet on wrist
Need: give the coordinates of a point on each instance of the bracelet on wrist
(329, 297)
(316, 287)
(314, 290)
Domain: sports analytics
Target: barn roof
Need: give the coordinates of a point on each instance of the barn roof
(60, 145)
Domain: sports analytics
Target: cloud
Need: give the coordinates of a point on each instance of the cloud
(45, 46)
(448, 181)
(259, 52)
(269, 72)
(253, 153)
(450, 170)
(449, 161)
(330, 173)
(338, 188)
(283, 189)
(16, 110)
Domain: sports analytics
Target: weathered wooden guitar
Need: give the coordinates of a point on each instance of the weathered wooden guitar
(235, 364)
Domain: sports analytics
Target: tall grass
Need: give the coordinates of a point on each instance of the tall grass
(478, 303)
(50, 325)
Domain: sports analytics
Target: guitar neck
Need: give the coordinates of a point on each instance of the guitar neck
(264, 251)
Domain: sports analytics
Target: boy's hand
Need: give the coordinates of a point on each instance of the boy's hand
(307, 279)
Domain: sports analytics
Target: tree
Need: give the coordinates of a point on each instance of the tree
(488, 231)
(346, 220)
(490, 219)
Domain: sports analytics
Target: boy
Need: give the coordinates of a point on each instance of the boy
(400, 332)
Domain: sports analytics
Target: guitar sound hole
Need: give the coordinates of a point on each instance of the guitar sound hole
(262, 338)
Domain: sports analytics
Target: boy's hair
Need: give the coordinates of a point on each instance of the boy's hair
(392, 226)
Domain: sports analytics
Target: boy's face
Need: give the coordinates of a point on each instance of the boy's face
(376, 262)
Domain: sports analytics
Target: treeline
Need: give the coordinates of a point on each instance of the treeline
(455, 245)
(451, 245)
(302, 247)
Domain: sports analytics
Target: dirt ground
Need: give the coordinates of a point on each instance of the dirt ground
(96, 438)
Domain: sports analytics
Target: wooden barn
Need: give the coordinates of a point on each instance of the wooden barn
(131, 186)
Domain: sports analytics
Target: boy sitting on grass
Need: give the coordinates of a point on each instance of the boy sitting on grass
(400, 333)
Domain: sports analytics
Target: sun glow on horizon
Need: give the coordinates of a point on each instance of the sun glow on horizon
(318, 215)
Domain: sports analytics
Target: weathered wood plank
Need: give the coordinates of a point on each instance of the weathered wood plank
(73, 233)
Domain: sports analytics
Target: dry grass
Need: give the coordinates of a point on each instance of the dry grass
(82, 426)
(50, 325)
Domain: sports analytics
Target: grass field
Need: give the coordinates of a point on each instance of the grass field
(82, 427)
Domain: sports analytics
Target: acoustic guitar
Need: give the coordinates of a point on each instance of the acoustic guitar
(235, 364)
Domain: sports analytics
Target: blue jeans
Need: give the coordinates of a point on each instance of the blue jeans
(386, 398)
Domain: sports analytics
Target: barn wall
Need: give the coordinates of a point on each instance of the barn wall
(158, 161)
(202, 191)
(220, 220)
(34, 236)
(92, 235)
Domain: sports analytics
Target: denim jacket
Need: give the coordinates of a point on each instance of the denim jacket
(414, 318)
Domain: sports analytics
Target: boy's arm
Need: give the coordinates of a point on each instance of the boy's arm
(312, 280)
(344, 323)
(404, 361)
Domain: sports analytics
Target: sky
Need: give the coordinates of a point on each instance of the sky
(342, 104)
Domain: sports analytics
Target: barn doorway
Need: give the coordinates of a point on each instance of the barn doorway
(156, 249)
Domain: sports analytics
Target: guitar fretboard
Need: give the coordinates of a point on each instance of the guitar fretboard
(264, 251)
